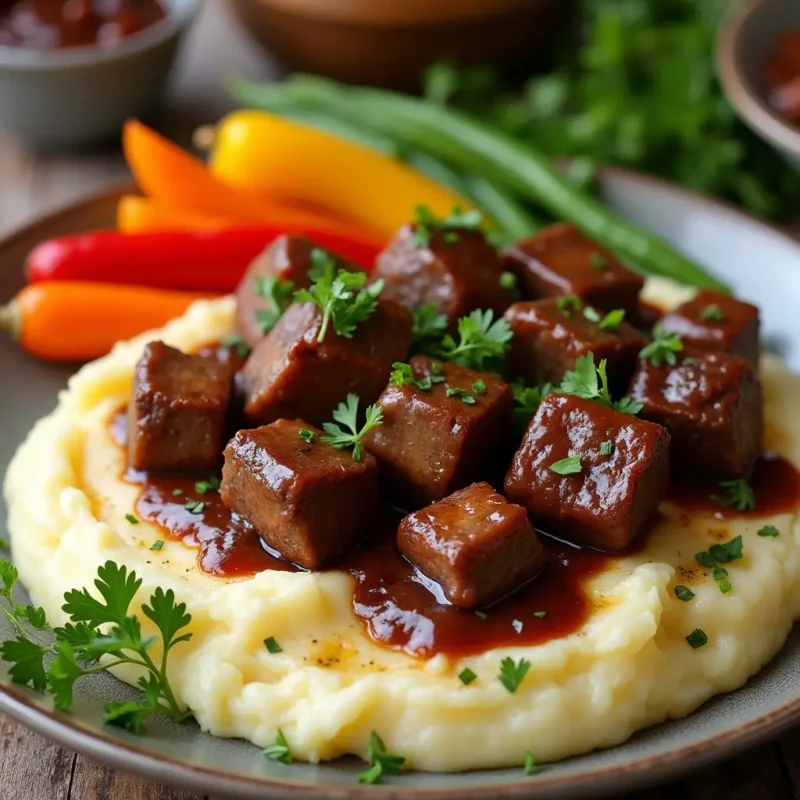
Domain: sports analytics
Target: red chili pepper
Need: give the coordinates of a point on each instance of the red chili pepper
(202, 261)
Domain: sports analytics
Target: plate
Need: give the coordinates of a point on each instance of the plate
(761, 263)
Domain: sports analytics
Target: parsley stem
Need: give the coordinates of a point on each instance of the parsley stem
(17, 624)
(166, 690)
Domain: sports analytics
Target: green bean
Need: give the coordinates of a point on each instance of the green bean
(476, 148)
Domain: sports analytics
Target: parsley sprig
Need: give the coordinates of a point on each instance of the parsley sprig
(591, 383)
(74, 650)
(402, 375)
(429, 326)
(513, 673)
(482, 341)
(527, 400)
(345, 300)
(383, 763)
(738, 494)
(278, 296)
(347, 415)
(280, 750)
(662, 350)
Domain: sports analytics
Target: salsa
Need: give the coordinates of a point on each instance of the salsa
(56, 24)
(782, 74)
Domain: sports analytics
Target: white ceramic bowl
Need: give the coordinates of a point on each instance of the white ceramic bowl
(70, 98)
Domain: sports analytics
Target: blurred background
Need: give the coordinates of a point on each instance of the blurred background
(628, 82)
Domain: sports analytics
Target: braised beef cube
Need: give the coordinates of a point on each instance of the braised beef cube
(588, 473)
(551, 335)
(438, 439)
(178, 412)
(560, 260)
(475, 544)
(457, 271)
(288, 258)
(290, 373)
(712, 405)
(307, 500)
(716, 321)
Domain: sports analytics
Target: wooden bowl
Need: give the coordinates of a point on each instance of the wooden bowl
(390, 42)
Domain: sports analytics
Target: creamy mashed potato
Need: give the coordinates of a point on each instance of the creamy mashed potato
(629, 666)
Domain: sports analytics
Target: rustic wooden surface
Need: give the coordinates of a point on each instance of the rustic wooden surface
(30, 767)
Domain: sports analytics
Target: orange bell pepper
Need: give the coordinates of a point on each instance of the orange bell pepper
(142, 215)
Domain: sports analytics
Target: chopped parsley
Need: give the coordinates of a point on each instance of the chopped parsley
(467, 676)
(306, 435)
(481, 341)
(529, 767)
(768, 530)
(429, 326)
(280, 750)
(157, 545)
(211, 485)
(540, 614)
(277, 295)
(591, 383)
(237, 344)
(402, 375)
(194, 506)
(684, 593)
(345, 301)
(351, 435)
(606, 448)
(508, 283)
(479, 387)
(569, 303)
(131, 519)
(719, 573)
(728, 551)
(426, 223)
(513, 673)
(527, 399)
(738, 494)
(725, 587)
(697, 638)
(712, 313)
(663, 348)
(567, 466)
(455, 391)
(383, 763)
(599, 261)
(704, 559)
(272, 645)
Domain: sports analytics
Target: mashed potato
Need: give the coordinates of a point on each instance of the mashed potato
(629, 666)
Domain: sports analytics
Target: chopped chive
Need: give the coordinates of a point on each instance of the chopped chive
(131, 519)
(697, 638)
(540, 614)
(272, 646)
(467, 676)
(607, 448)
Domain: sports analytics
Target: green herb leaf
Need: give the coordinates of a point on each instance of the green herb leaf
(530, 763)
(131, 519)
(157, 545)
(697, 638)
(513, 673)
(606, 448)
(211, 485)
(728, 551)
(467, 676)
(527, 400)
(567, 466)
(725, 587)
(591, 383)
(235, 342)
(612, 321)
(178, 493)
(272, 646)
(481, 614)
(704, 559)
(277, 295)
(455, 391)
(684, 593)
(402, 375)
(383, 763)
(194, 506)
(569, 303)
(351, 436)
(479, 387)
(429, 327)
(482, 340)
(280, 750)
(509, 283)
(719, 573)
(426, 223)
(540, 614)
(27, 662)
(768, 530)
(663, 348)
(712, 313)
(738, 495)
(306, 435)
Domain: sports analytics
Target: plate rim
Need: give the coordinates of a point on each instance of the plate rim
(648, 770)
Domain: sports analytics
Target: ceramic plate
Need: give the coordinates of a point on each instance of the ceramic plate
(762, 264)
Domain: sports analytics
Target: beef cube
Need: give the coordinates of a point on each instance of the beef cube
(716, 321)
(560, 260)
(178, 413)
(436, 440)
(457, 272)
(288, 258)
(712, 405)
(550, 336)
(291, 374)
(475, 544)
(605, 498)
(307, 500)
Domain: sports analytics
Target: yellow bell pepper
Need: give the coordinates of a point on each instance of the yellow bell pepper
(288, 161)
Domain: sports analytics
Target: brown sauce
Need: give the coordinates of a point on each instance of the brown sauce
(56, 24)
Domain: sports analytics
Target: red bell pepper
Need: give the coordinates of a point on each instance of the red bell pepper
(202, 261)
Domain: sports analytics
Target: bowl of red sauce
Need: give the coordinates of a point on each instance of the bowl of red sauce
(758, 60)
(72, 71)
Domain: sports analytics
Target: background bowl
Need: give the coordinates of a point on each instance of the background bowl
(747, 39)
(63, 99)
(390, 42)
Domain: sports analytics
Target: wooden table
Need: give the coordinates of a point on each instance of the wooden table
(30, 767)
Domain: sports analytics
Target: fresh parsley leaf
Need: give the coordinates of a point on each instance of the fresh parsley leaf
(738, 494)
(684, 593)
(527, 400)
(272, 645)
(128, 715)
(429, 326)
(567, 466)
(719, 573)
(27, 662)
(697, 638)
(402, 375)
(277, 295)
(211, 485)
(455, 391)
(116, 586)
(611, 321)
(157, 545)
(280, 750)
(467, 676)
(62, 673)
(131, 519)
(383, 763)
(606, 448)
(345, 301)
(725, 587)
(704, 559)
(663, 348)
(306, 435)
(479, 387)
(529, 767)
(569, 303)
(350, 435)
(768, 530)
(513, 673)
(591, 383)
(195, 506)
(728, 551)
(482, 341)
(235, 342)
(169, 617)
(712, 313)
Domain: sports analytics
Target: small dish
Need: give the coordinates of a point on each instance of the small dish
(70, 98)
(747, 39)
